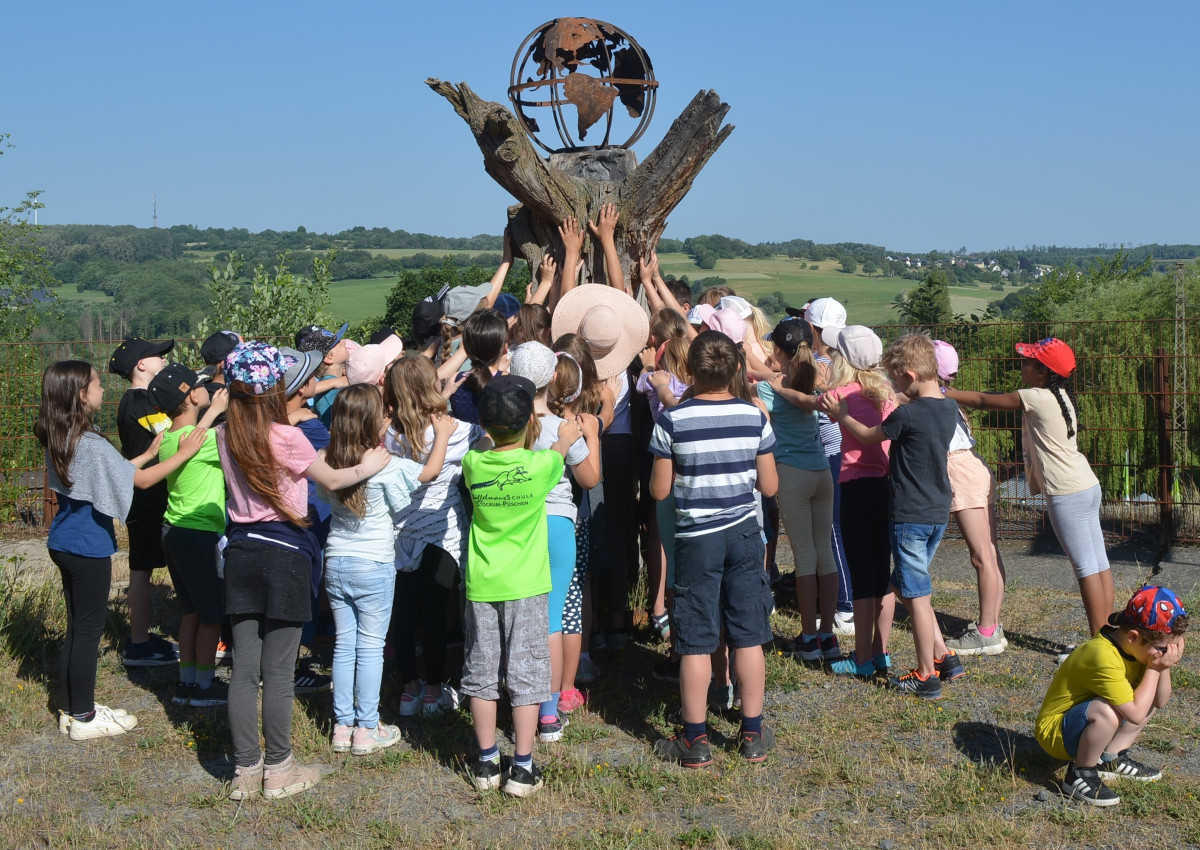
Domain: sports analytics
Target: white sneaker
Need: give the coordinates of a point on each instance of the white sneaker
(410, 706)
(105, 724)
(843, 623)
(433, 706)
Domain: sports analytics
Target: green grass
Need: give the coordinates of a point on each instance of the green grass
(90, 296)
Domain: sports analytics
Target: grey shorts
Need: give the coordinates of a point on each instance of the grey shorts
(509, 641)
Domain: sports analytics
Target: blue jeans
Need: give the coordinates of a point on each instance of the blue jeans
(360, 596)
(913, 546)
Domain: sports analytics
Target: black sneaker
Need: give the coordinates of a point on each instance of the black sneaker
(522, 782)
(911, 683)
(805, 650)
(309, 682)
(215, 694)
(1084, 784)
(155, 652)
(950, 667)
(830, 651)
(183, 694)
(1124, 767)
(676, 749)
(667, 671)
(486, 775)
(549, 732)
(754, 746)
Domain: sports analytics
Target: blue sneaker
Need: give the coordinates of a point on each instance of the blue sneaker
(849, 667)
(883, 664)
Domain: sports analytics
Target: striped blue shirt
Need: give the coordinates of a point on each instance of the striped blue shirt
(715, 446)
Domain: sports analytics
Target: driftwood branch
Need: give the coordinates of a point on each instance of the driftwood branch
(547, 195)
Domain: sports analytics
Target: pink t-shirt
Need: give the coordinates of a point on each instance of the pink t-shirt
(859, 461)
(293, 452)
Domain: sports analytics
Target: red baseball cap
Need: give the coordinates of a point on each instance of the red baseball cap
(1154, 609)
(1052, 353)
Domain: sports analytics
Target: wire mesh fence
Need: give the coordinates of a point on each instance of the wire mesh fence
(1142, 439)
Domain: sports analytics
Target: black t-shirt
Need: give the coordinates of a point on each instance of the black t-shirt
(138, 422)
(920, 432)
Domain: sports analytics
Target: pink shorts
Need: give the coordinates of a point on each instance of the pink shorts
(972, 484)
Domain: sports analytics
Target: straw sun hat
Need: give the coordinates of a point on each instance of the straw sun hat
(612, 324)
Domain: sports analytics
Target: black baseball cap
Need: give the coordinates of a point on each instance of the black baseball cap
(789, 334)
(427, 316)
(171, 386)
(382, 334)
(317, 338)
(506, 404)
(216, 348)
(134, 349)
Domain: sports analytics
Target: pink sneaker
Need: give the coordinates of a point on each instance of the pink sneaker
(570, 700)
(342, 738)
(367, 741)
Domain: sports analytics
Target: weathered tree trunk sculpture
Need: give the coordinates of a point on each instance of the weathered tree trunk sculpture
(644, 194)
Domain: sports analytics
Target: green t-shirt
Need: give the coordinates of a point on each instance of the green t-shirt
(508, 556)
(1095, 670)
(195, 491)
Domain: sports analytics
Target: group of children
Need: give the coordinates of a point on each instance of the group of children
(503, 454)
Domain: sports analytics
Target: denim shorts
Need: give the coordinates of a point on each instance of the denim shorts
(913, 547)
(720, 581)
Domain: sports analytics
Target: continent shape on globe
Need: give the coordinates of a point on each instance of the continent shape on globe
(591, 97)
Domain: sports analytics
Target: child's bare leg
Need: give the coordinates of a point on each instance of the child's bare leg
(188, 625)
(656, 568)
(720, 664)
(1098, 735)
(1097, 592)
(525, 721)
(1127, 734)
(924, 625)
(806, 599)
(752, 677)
(139, 605)
(883, 616)
(977, 527)
(695, 671)
(572, 646)
(827, 595)
(483, 718)
(556, 663)
(866, 612)
(205, 646)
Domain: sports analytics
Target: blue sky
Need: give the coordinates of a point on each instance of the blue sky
(916, 126)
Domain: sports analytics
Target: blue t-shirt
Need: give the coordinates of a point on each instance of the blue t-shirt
(797, 431)
(318, 435)
(322, 403)
(77, 529)
(715, 446)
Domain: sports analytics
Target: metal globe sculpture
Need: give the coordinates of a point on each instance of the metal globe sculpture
(587, 64)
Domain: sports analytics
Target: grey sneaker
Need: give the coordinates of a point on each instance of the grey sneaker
(971, 642)
(1125, 767)
(1084, 784)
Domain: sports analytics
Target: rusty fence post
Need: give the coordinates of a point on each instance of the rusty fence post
(1166, 460)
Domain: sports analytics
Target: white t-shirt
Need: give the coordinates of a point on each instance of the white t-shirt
(372, 536)
(559, 502)
(1053, 463)
(435, 515)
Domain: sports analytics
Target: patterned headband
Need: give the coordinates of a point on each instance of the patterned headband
(579, 387)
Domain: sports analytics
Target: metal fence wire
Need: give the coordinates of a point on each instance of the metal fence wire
(1140, 435)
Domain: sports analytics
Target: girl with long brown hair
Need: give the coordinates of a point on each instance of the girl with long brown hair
(269, 562)
(93, 485)
(360, 572)
(430, 532)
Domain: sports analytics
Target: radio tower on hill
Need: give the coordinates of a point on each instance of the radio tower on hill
(156, 210)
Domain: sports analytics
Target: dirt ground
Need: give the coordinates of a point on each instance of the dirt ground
(856, 766)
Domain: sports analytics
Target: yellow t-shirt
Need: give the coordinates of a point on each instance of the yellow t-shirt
(1053, 463)
(1095, 670)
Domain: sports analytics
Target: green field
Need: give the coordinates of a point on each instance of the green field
(868, 300)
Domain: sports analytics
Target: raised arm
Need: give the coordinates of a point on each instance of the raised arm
(587, 471)
(218, 405)
(188, 447)
(985, 401)
(501, 272)
(546, 280)
(648, 273)
(571, 235)
(836, 409)
(604, 228)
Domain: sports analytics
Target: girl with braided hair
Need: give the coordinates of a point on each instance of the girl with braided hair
(1055, 467)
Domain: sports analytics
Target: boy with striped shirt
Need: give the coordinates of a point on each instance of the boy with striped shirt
(712, 451)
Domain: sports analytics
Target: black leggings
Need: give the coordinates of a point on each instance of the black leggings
(619, 464)
(423, 594)
(865, 520)
(86, 583)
